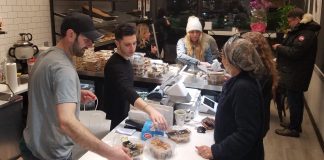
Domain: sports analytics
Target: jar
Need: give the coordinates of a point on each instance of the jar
(258, 20)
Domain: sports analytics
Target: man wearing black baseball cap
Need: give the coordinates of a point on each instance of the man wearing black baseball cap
(80, 24)
(54, 97)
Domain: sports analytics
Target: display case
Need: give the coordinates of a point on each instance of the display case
(106, 14)
(224, 14)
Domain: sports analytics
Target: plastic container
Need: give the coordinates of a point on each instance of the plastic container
(135, 146)
(161, 147)
(179, 135)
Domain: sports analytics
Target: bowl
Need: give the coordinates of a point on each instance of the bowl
(215, 78)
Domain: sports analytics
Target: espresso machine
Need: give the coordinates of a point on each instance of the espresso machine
(22, 51)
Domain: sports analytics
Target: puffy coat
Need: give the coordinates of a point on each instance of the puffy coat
(296, 56)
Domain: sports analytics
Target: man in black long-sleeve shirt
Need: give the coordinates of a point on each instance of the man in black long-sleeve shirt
(119, 86)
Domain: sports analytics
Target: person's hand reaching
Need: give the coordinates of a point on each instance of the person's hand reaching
(157, 118)
(119, 153)
(205, 152)
(87, 96)
(206, 64)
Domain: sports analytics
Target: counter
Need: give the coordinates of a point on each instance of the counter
(235, 31)
(190, 80)
(12, 120)
(11, 125)
(21, 88)
(182, 151)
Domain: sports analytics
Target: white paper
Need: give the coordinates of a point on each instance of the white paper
(208, 26)
(11, 75)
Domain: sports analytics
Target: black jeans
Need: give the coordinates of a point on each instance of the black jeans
(296, 109)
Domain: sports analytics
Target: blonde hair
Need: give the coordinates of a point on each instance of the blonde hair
(266, 55)
(141, 30)
(193, 50)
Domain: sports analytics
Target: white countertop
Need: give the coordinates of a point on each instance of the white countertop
(235, 31)
(182, 151)
(21, 88)
(4, 89)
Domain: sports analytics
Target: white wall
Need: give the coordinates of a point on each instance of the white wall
(24, 16)
(314, 98)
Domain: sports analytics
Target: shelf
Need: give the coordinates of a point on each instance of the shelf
(60, 14)
(99, 44)
(88, 0)
(103, 24)
(3, 32)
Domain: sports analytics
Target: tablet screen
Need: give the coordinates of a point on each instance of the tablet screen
(209, 103)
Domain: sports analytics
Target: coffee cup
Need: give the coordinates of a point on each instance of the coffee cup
(189, 115)
(180, 116)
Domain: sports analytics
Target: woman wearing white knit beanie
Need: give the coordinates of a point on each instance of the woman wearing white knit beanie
(192, 49)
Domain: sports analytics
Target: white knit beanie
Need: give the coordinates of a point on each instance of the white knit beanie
(193, 24)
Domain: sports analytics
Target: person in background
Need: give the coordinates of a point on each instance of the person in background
(163, 27)
(119, 81)
(269, 81)
(192, 49)
(144, 44)
(211, 41)
(54, 97)
(239, 120)
(295, 63)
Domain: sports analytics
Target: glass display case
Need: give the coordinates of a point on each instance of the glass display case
(224, 14)
(106, 14)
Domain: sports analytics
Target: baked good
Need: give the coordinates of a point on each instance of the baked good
(179, 136)
(135, 149)
(160, 148)
(208, 123)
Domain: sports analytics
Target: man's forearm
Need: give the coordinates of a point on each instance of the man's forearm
(83, 137)
(142, 105)
(73, 128)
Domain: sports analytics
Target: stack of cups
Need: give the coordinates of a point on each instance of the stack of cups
(11, 75)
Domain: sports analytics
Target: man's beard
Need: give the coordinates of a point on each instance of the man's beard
(76, 49)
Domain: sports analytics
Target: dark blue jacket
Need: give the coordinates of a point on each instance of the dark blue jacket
(239, 121)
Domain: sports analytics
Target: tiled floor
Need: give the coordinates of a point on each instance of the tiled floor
(306, 147)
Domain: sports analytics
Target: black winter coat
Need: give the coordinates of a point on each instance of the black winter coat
(239, 121)
(296, 57)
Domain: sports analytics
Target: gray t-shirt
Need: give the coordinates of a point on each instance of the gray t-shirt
(53, 81)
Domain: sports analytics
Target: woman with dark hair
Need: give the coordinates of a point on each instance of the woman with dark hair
(239, 121)
(269, 82)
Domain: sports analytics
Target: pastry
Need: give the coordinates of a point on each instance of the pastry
(135, 149)
(179, 136)
(160, 149)
(208, 123)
